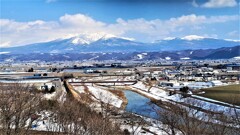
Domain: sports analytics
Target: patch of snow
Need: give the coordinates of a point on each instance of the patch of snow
(78, 40)
(141, 86)
(237, 57)
(168, 58)
(88, 38)
(108, 36)
(127, 38)
(192, 37)
(4, 52)
(50, 96)
(105, 96)
(140, 56)
(94, 58)
(79, 89)
(233, 40)
(185, 58)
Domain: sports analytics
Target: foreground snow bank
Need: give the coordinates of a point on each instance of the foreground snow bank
(105, 96)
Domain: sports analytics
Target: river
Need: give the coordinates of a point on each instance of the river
(140, 105)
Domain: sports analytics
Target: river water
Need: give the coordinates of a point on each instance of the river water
(140, 105)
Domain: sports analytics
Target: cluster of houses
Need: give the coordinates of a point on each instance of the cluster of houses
(176, 77)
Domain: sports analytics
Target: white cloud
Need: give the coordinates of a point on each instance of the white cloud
(156, 29)
(79, 20)
(220, 3)
(15, 33)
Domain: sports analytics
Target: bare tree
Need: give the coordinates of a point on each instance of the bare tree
(75, 118)
(18, 105)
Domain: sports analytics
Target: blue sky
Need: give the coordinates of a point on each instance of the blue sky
(30, 21)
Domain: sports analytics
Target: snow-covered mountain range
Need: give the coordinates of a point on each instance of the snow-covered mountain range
(111, 43)
(220, 53)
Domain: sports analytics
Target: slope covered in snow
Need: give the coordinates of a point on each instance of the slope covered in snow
(105, 96)
(90, 38)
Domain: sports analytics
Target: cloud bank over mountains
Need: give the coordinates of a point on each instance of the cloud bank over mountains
(14, 33)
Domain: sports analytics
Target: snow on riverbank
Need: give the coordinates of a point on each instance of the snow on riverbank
(141, 86)
(153, 92)
(160, 94)
(105, 96)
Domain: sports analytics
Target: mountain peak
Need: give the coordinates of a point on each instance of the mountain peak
(86, 39)
(89, 38)
(188, 37)
(192, 37)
